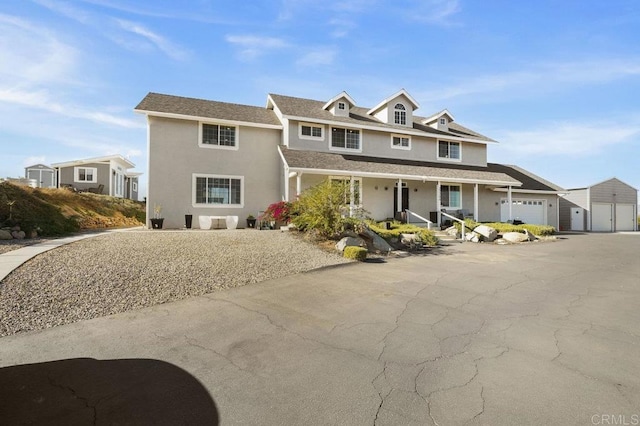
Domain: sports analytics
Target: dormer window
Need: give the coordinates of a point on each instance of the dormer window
(341, 105)
(400, 114)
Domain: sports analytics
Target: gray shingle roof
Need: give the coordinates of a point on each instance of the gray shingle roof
(529, 180)
(156, 102)
(363, 164)
(308, 108)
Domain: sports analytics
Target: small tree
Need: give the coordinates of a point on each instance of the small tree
(321, 208)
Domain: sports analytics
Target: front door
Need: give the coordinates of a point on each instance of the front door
(405, 199)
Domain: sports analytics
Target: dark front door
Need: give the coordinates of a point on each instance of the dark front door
(405, 199)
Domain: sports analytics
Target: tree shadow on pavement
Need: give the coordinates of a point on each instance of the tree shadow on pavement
(90, 391)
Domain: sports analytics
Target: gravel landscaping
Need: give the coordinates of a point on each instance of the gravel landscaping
(130, 270)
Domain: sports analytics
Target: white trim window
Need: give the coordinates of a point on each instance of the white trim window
(400, 142)
(85, 174)
(218, 136)
(345, 139)
(400, 114)
(311, 131)
(451, 196)
(341, 106)
(134, 186)
(443, 121)
(218, 191)
(451, 151)
(357, 189)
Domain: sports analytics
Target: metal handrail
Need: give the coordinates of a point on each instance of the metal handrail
(427, 221)
(463, 225)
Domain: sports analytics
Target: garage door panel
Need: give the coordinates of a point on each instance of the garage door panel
(525, 210)
(602, 217)
(625, 219)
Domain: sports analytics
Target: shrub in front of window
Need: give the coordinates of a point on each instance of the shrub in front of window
(356, 253)
(320, 208)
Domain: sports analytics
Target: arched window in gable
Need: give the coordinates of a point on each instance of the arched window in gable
(400, 114)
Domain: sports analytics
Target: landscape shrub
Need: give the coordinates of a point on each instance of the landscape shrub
(356, 253)
(426, 236)
(279, 212)
(322, 208)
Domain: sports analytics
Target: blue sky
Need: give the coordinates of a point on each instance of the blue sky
(557, 83)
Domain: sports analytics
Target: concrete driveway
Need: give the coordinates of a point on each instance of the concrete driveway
(543, 333)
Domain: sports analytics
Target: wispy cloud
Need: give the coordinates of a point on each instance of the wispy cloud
(540, 78)
(572, 139)
(317, 57)
(341, 27)
(66, 9)
(434, 12)
(171, 49)
(251, 46)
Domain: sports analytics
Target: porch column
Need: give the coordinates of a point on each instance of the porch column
(298, 184)
(439, 201)
(352, 197)
(509, 200)
(286, 184)
(475, 203)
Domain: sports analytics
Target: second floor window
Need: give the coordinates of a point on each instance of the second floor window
(345, 138)
(310, 131)
(449, 150)
(214, 134)
(400, 114)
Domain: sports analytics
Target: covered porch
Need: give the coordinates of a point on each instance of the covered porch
(417, 192)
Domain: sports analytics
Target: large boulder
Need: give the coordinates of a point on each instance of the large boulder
(5, 235)
(515, 237)
(349, 242)
(375, 243)
(530, 236)
(18, 235)
(488, 233)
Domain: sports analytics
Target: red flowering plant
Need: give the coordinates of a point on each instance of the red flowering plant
(278, 212)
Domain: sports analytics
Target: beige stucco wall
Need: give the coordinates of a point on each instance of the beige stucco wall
(174, 156)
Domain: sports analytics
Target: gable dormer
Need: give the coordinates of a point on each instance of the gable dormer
(440, 120)
(340, 105)
(396, 109)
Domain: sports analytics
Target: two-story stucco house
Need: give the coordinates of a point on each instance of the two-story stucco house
(110, 175)
(215, 158)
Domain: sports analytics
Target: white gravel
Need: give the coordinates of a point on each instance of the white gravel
(129, 270)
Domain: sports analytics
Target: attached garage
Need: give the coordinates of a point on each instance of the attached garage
(524, 210)
(609, 206)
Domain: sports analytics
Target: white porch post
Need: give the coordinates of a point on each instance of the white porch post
(298, 184)
(509, 200)
(286, 184)
(439, 201)
(475, 203)
(352, 197)
(399, 197)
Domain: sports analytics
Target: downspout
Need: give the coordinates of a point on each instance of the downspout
(439, 201)
(510, 201)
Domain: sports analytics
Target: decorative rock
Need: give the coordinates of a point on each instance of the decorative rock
(377, 243)
(473, 237)
(515, 237)
(530, 236)
(349, 242)
(33, 234)
(488, 233)
(18, 235)
(16, 228)
(5, 235)
(453, 231)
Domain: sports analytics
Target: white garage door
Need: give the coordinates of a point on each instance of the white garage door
(601, 217)
(625, 217)
(527, 211)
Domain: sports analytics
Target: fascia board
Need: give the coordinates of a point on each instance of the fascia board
(208, 119)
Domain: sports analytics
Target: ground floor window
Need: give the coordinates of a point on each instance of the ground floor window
(86, 174)
(218, 190)
(357, 189)
(450, 196)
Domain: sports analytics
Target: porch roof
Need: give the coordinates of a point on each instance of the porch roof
(314, 162)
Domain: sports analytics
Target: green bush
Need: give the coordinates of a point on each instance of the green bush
(426, 236)
(501, 227)
(321, 209)
(356, 253)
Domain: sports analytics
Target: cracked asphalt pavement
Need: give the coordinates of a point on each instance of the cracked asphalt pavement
(540, 333)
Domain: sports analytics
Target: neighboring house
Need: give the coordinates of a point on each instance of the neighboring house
(215, 158)
(607, 206)
(44, 175)
(110, 175)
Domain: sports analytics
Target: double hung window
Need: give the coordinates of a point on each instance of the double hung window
(449, 150)
(218, 135)
(450, 196)
(345, 138)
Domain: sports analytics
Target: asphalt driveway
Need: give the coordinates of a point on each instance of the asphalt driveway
(543, 333)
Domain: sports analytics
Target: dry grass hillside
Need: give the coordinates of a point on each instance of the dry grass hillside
(53, 212)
